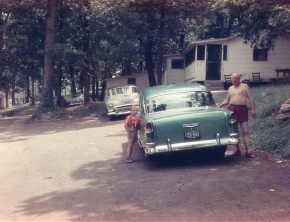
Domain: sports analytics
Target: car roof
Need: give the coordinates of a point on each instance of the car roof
(168, 89)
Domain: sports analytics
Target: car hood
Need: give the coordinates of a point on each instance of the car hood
(173, 124)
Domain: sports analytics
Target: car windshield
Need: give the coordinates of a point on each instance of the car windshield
(178, 101)
(121, 90)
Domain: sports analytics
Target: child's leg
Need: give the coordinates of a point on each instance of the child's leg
(129, 149)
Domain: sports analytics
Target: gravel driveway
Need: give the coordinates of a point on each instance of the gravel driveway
(74, 170)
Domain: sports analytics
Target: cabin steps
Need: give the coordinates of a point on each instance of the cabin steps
(214, 85)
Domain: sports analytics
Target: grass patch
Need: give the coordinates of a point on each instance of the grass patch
(12, 110)
(266, 132)
(93, 109)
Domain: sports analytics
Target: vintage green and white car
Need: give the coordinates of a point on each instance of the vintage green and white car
(120, 99)
(183, 117)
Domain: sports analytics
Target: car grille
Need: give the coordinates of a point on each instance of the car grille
(123, 109)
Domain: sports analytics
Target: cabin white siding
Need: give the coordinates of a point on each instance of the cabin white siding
(173, 75)
(141, 80)
(240, 58)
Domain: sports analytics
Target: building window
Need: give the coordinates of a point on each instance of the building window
(200, 52)
(132, 81)
(190, 57)
(177, 64)
(260, 54)
(225, 53)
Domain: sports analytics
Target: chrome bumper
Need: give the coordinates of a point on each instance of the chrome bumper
(151, 148)
(120, 111)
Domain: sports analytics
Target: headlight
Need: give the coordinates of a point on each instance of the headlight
(110, 105)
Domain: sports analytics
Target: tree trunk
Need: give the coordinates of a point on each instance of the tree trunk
(7, 96)
(59, 84)
(1, 42)
(13, 94)
(86, 39)
(47, 103)
(33, 84)
(104, 85)
(73, 85)
(94, 88)
(86, 86)
(149, 61)
(160, 43)
(27, 88)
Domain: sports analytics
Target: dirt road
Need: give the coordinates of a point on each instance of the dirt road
(74, 170)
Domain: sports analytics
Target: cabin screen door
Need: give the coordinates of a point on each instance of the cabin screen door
(213, 65)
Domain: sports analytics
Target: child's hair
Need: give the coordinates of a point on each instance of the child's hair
(137, 107)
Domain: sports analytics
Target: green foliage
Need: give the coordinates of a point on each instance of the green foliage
(266, 132)
(249, 18)
(119, 32)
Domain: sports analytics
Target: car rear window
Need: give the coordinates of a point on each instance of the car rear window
(179, 101)
(121, 90)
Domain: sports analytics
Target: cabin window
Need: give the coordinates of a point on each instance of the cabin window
(132, 81)
(225, 53)
(177, 64)
(260, 54)
(200, 52)
(190, 57)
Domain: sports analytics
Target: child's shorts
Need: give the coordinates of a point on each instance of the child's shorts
(132, 136)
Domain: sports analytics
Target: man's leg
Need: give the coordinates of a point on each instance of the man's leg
(246, 138)
(238, 151)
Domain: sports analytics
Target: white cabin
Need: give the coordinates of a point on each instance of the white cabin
(140, 80)
(212, 59)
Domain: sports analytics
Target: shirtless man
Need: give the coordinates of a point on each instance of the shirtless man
(237, 97)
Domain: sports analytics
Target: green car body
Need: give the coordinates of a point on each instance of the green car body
(183, 117)
(120, 99)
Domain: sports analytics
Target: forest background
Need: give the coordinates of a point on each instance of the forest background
(80, 43)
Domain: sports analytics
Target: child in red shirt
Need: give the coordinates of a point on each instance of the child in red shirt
(131, 125)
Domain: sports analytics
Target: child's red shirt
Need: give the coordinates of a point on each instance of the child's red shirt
(133, 121)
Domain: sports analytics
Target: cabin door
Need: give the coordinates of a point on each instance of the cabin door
(213, 64)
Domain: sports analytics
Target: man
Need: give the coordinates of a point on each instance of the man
(237, 97)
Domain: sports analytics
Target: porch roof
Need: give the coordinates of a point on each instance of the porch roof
(191, 45)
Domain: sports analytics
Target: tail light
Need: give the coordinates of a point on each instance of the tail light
(232, 118)
(149, 128)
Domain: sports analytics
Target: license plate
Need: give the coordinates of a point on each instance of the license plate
(192, 134)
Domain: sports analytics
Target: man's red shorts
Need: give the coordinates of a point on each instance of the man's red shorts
(241, 112)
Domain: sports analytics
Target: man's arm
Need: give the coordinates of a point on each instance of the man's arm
(226, 101)
(251, 101)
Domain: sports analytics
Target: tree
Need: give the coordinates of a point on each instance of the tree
(4, 13)
(249, 18)
(47, 102)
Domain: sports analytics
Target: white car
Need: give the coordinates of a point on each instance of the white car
(120, 99)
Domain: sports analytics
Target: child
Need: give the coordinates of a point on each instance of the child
(131, 125)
